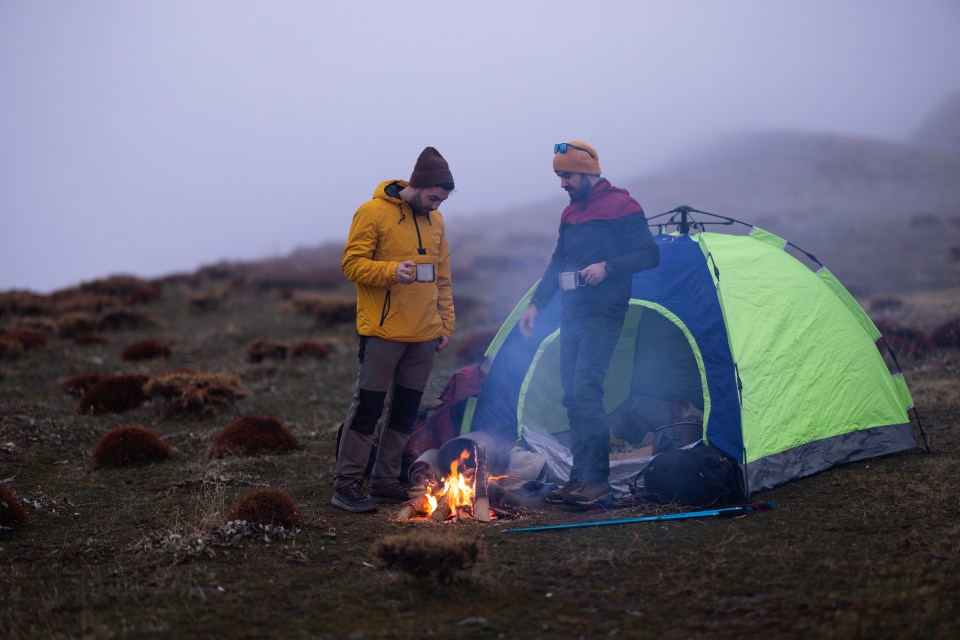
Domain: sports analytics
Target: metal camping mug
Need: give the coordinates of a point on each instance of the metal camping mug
(426, 272)
(571, 280)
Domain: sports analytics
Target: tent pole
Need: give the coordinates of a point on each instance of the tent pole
(725, 512)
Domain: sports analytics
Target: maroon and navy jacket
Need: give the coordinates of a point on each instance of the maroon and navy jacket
(608, 225)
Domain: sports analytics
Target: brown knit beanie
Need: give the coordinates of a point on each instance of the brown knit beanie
(579, 157)
(431, 170)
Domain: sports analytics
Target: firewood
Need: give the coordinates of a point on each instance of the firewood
(443, 510)
(418, 506)
(481, 503)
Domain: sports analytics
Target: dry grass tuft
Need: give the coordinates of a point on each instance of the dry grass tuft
(431, 558)
(11, 511)
(946, 335)
(268, 506)
(266, 349)
(77, 385)
(146, 350)
(318, 349)
(196, 393)
(252, 435)
(131, 445)
(326, 310)
(114, 394)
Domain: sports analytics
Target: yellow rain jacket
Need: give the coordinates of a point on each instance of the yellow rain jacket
(384, 233)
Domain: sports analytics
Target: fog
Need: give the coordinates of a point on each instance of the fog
(149, 138)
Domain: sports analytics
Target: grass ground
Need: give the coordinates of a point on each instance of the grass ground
(869, 550)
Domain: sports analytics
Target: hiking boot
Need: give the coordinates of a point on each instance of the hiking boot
(557, 495)
(353, 498)
(588, 494)
(389, 493)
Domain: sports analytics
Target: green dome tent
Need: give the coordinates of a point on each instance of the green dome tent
(780, 360)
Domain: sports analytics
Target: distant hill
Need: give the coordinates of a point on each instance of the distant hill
(883, 216)
(942, 129)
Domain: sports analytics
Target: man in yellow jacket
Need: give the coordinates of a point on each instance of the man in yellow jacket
(397, 256)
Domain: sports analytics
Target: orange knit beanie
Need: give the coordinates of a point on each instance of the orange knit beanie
(576, 156)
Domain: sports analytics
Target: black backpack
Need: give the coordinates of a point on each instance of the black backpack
(698, 476)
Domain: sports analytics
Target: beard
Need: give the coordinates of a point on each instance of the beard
(416, 203)
(580, 193)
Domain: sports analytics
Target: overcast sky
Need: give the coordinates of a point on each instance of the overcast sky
(153, 137)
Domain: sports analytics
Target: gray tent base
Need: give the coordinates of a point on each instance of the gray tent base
(813, 457)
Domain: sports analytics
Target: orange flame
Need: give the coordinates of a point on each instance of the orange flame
(458, 488)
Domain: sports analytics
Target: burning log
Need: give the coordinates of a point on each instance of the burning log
(443, 510)
(481, 503)
(419, 506)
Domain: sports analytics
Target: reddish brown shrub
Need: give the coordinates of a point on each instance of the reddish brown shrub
(264, 348)
(268, 506)
(80, 383)
(23, 303)
(76, 323)
(119, 319)
(88, 338)
(473, 347)
(314, 348)
(885, 304)
(326, 310)
(10, 347)
(29, 338)
(252, 435)
(11, 511)
(143, 294)
(146, 350)
(903, 340)
(129, 446)
(114, 394)
(946, 335)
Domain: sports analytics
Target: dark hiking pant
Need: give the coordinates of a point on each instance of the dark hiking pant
(382, 363)
(586, 347)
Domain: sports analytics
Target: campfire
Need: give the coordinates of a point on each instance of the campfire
(461, 494)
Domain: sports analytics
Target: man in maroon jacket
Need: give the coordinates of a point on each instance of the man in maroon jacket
(604, 239)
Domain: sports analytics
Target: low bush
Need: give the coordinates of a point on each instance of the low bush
(946, 335)
(29, 338)
(268, 506)
(314, 348)
(124, 319)
(146, 350)
(131, 445)
(11, 511)
(77, 385)
(266, 349)
(196, 393)
(326, 310)
(904, 340)
(251, 435)
(114, 394)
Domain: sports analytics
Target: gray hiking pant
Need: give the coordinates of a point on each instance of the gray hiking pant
(382, 363)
